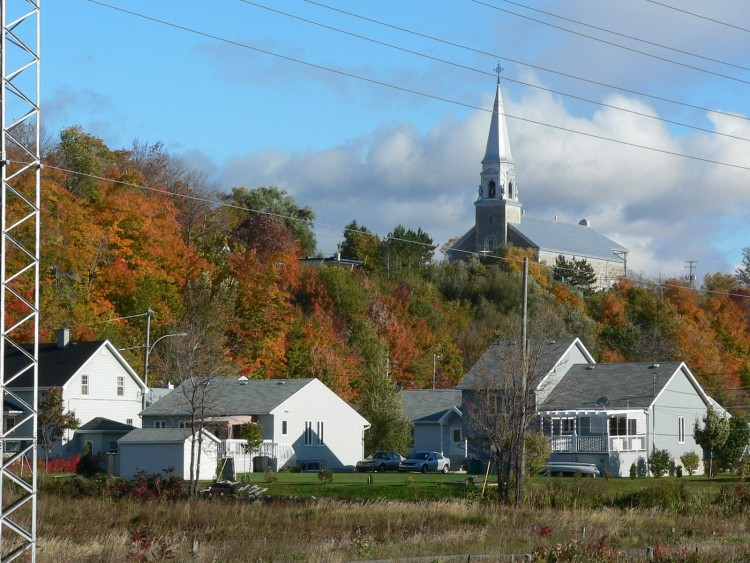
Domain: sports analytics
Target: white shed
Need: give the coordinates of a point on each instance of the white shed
(154, 450)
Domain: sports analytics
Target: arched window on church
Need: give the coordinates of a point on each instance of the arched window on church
(492, 189)
(490, 245)
(510, 189)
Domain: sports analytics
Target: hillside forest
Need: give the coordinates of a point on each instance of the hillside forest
(129, 230)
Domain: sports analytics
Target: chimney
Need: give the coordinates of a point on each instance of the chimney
(63, 337)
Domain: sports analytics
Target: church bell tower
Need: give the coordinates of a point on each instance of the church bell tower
(497, 204)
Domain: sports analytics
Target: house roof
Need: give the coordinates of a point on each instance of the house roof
(625, 386)
(566, 238)
(229, 396)
(430, 405)
(56, 365)
(500, 356)
(101, 424)
(161, 436)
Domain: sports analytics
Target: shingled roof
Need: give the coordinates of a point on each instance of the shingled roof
(232, 396)
(430, 405)
(625, 386)
(101, 424)
(506, 354)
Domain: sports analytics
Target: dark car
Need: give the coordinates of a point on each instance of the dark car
(426, 461)
(380, 461)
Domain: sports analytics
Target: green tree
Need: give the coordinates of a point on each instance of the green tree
(383, 408)
(690, 461)
(404, 248)
(53, 421)
(578, 273)
(712, 436)
(742, 274)
(731, 451)
(275, 201)
(361, 244)
(538, 450)
(85, 154)
(253, 433)
(658, 462)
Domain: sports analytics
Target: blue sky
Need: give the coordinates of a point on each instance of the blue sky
(356, 149)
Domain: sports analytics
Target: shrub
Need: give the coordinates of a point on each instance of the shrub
(89, 464)
(148, 487)
(61, 464)
(633, 471)
(325, 476)
(659, 462)
(690, 461)
(734, 498)
(271, 476)
(678, 470)
(742, 471)
(666, 495)
(538, 450)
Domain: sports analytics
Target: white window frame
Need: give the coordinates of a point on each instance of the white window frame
(680, 429)
(308, 433)
(160, 423)
(84, 384)
(284, 427)
(120, 386)
(567, 426)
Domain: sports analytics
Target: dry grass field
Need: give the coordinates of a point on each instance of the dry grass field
(554, 526)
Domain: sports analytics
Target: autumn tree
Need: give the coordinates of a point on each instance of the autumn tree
(361, 244)
(743, 272)
(53, 421)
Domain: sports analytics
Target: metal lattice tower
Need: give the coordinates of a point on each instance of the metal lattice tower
(19, 267)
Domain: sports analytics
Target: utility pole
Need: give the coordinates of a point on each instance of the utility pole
(434, 367)
(520, 417)
(147, 349)
(691, 265)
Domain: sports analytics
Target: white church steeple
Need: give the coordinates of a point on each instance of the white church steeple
(497, 204)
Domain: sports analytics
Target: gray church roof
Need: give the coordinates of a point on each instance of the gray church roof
(564, 238)
(430, 405)
(230, 396)
(627, 385)
(498, 142)
(505, 355)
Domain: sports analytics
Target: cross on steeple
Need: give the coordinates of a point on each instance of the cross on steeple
(498, 69)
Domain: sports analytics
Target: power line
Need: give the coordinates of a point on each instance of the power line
(487, 73)
(612, 44)
(646, 41)
(522, 63)
(416, 92)
(699, 16)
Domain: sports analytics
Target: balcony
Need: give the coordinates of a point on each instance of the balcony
(597, 444)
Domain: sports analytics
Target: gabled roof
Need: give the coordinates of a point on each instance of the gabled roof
(503, 355)
(231, 396)
(625, 386)
(565, 238)
(430, 405)
(162, 436)
(56, 365)
(101, 424)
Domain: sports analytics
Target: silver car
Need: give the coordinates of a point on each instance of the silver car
(426, 461)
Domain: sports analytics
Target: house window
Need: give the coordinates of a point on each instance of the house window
(320, 433)
(129, 421)
(10, 422)
(456, 435)
(632, 427)
(568, 426)
(120, 386)
(88, 447)
(681, 429)
(308, 433)
(185, 424)
(160, 423)
(84, 385)
(618, 426)
(584, 425)
(283, 427)
(113, 447)
(490, 244)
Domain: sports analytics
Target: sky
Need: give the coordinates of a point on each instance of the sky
(629, 113)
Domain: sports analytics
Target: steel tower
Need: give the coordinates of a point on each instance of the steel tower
(19, 268)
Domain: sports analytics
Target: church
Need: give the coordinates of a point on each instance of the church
(501, 219)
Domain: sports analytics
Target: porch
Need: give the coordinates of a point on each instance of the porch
(597, 444)
(595, 433)
(280, 454)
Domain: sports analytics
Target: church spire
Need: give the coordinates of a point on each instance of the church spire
(498, 142)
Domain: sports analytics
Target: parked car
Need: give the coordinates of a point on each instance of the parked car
(570, 469)
(426, 461)
(380, 461)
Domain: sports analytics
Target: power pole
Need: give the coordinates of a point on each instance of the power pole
(520, 417)
(691, 265)
(20, 168)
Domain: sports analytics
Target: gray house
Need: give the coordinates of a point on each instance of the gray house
(436, 418)
(304, 422)
(613, 415)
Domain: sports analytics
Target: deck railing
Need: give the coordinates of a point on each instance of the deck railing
(597, 444)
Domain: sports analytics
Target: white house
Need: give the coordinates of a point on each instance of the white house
(166, 450)
(304, 422)
(613, 415)
(95, 379)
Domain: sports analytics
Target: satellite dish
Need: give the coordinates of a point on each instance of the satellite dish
(602, 401)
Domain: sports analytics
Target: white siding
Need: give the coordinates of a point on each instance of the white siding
(155, 457)
(343, 426)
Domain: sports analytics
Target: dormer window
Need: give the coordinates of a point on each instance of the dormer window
(492, 189)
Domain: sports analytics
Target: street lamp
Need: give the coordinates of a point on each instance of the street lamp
(148, 348)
